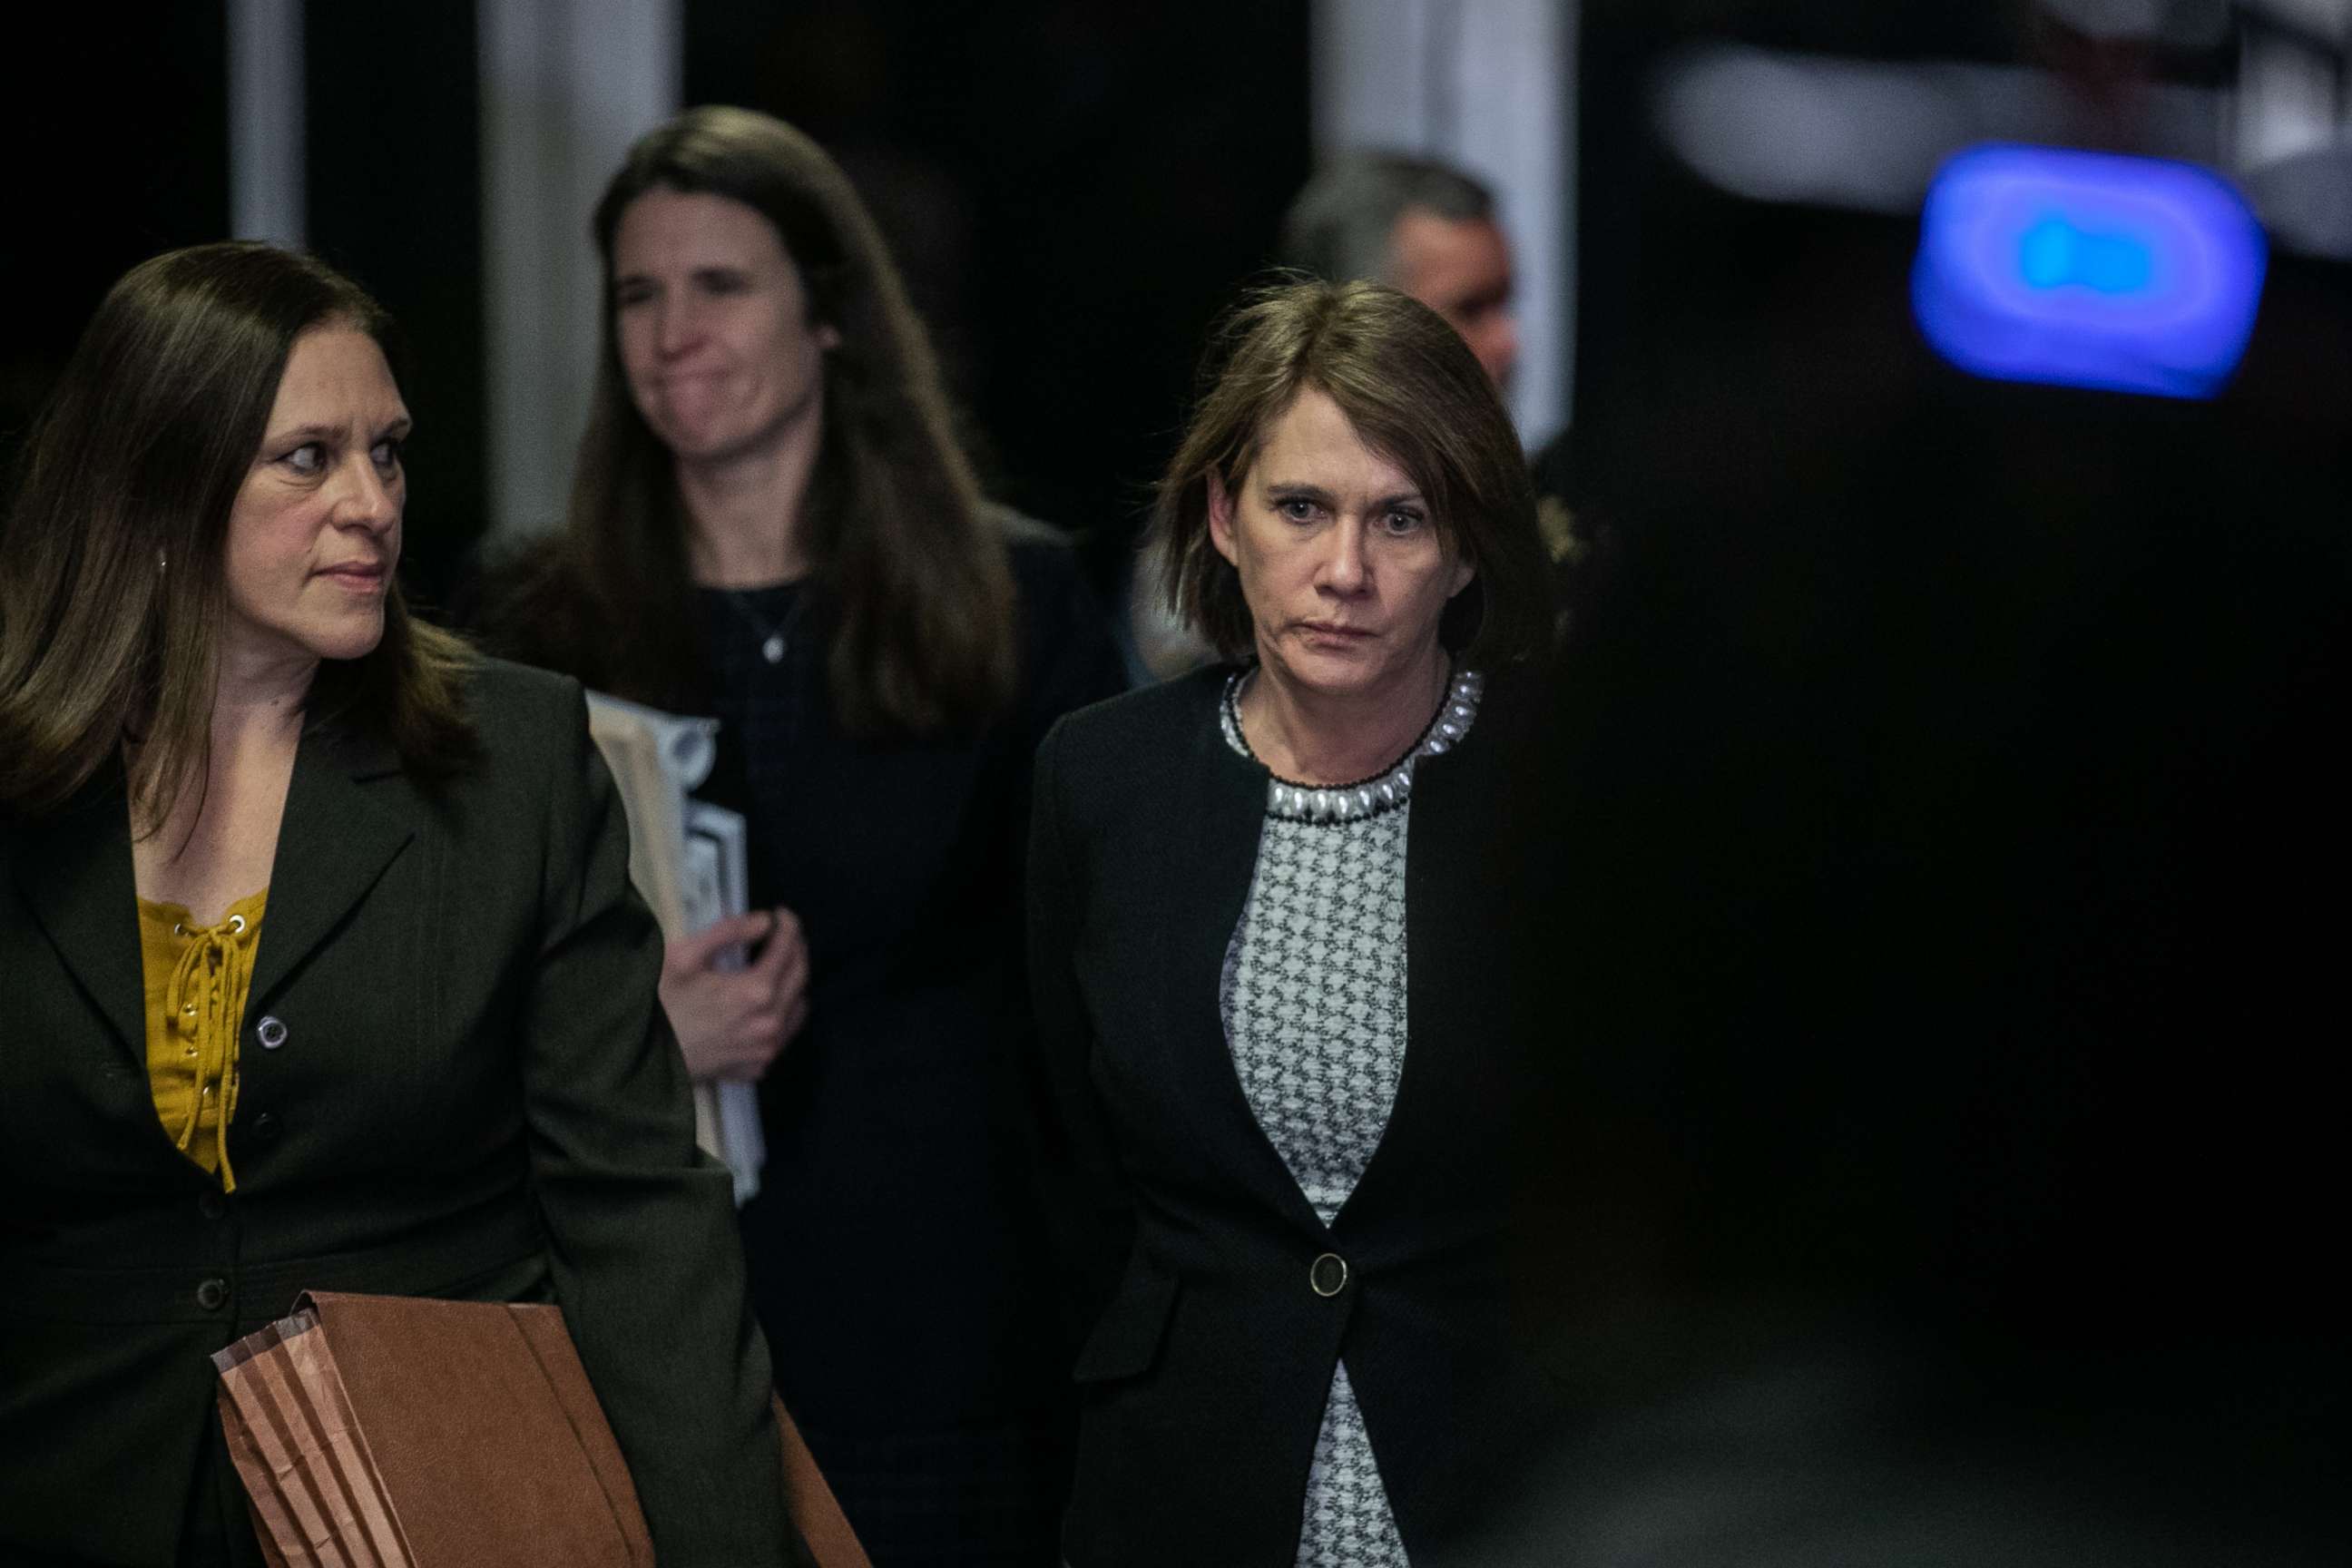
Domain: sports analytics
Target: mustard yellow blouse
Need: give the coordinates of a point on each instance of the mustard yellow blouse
(197, 979)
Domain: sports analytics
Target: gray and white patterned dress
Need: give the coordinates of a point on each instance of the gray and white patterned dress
(1314, 1006)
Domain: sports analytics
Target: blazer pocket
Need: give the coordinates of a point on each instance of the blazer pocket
(1126, 1341)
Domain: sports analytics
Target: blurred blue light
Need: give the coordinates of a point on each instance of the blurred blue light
(2055, 253)
(2087, 269)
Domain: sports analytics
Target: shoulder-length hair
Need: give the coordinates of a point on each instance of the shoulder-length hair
(113, 555)
(1414, 393)
(913, 580)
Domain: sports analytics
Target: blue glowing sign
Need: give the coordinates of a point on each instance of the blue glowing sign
(2087, 269)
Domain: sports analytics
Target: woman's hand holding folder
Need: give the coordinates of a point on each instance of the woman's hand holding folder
(732, 1016)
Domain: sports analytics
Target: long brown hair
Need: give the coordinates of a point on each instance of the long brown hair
(112, 556)
(1415, 394)
(912, 575)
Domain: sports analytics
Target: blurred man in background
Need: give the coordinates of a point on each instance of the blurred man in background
(1417, 224)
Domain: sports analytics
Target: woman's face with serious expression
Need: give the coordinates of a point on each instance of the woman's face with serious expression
(1344, 570)
(314, 533)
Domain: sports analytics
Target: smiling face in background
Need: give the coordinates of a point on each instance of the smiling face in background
(314, 534)
(712, 320)
(1345, 572)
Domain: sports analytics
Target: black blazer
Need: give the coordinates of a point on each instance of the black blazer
(1204, 1377)
(475, 1096)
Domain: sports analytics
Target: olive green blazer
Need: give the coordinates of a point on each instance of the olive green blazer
(456, 1081)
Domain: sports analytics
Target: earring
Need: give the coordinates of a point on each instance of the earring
(159, 561)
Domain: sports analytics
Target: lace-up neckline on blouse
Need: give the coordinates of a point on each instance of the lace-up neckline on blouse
(198, 978)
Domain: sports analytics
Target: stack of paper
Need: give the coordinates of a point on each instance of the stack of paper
(686, 857)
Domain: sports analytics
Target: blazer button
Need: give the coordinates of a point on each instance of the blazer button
(270, 1032)
(212, 1205)
(1327, 1275)
(266, 1127)
(211, 1294)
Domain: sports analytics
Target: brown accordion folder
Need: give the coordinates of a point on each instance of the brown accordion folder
(396, 1432)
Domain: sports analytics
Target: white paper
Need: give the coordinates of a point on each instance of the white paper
(720, 874)
(686, 856)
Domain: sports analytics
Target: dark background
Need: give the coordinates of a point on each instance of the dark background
(1953, 881)
(99, 183)
(1951, 916)
(1074, 192)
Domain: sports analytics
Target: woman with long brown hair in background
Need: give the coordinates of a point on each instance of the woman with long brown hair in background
(772, 520)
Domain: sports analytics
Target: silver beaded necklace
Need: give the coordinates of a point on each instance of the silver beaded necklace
(1384, 791)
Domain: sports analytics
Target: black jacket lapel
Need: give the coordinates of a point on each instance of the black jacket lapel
(1467, 850)
(1213, 880)
(336, 837)
(1215, 817)
(75, 873)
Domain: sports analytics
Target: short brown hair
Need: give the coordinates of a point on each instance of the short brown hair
(136, 460)
(1415, 394)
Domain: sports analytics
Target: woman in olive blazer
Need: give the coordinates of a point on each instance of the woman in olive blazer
(471, 1094)
(452, 1077)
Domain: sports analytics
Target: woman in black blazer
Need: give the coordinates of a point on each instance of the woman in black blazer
(399, 1031)
(1284, 1049)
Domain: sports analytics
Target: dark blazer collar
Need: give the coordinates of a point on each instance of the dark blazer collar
(341, 829)
(1469, 835)
(74, 870)
(1448, 878)
(1211, 817)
